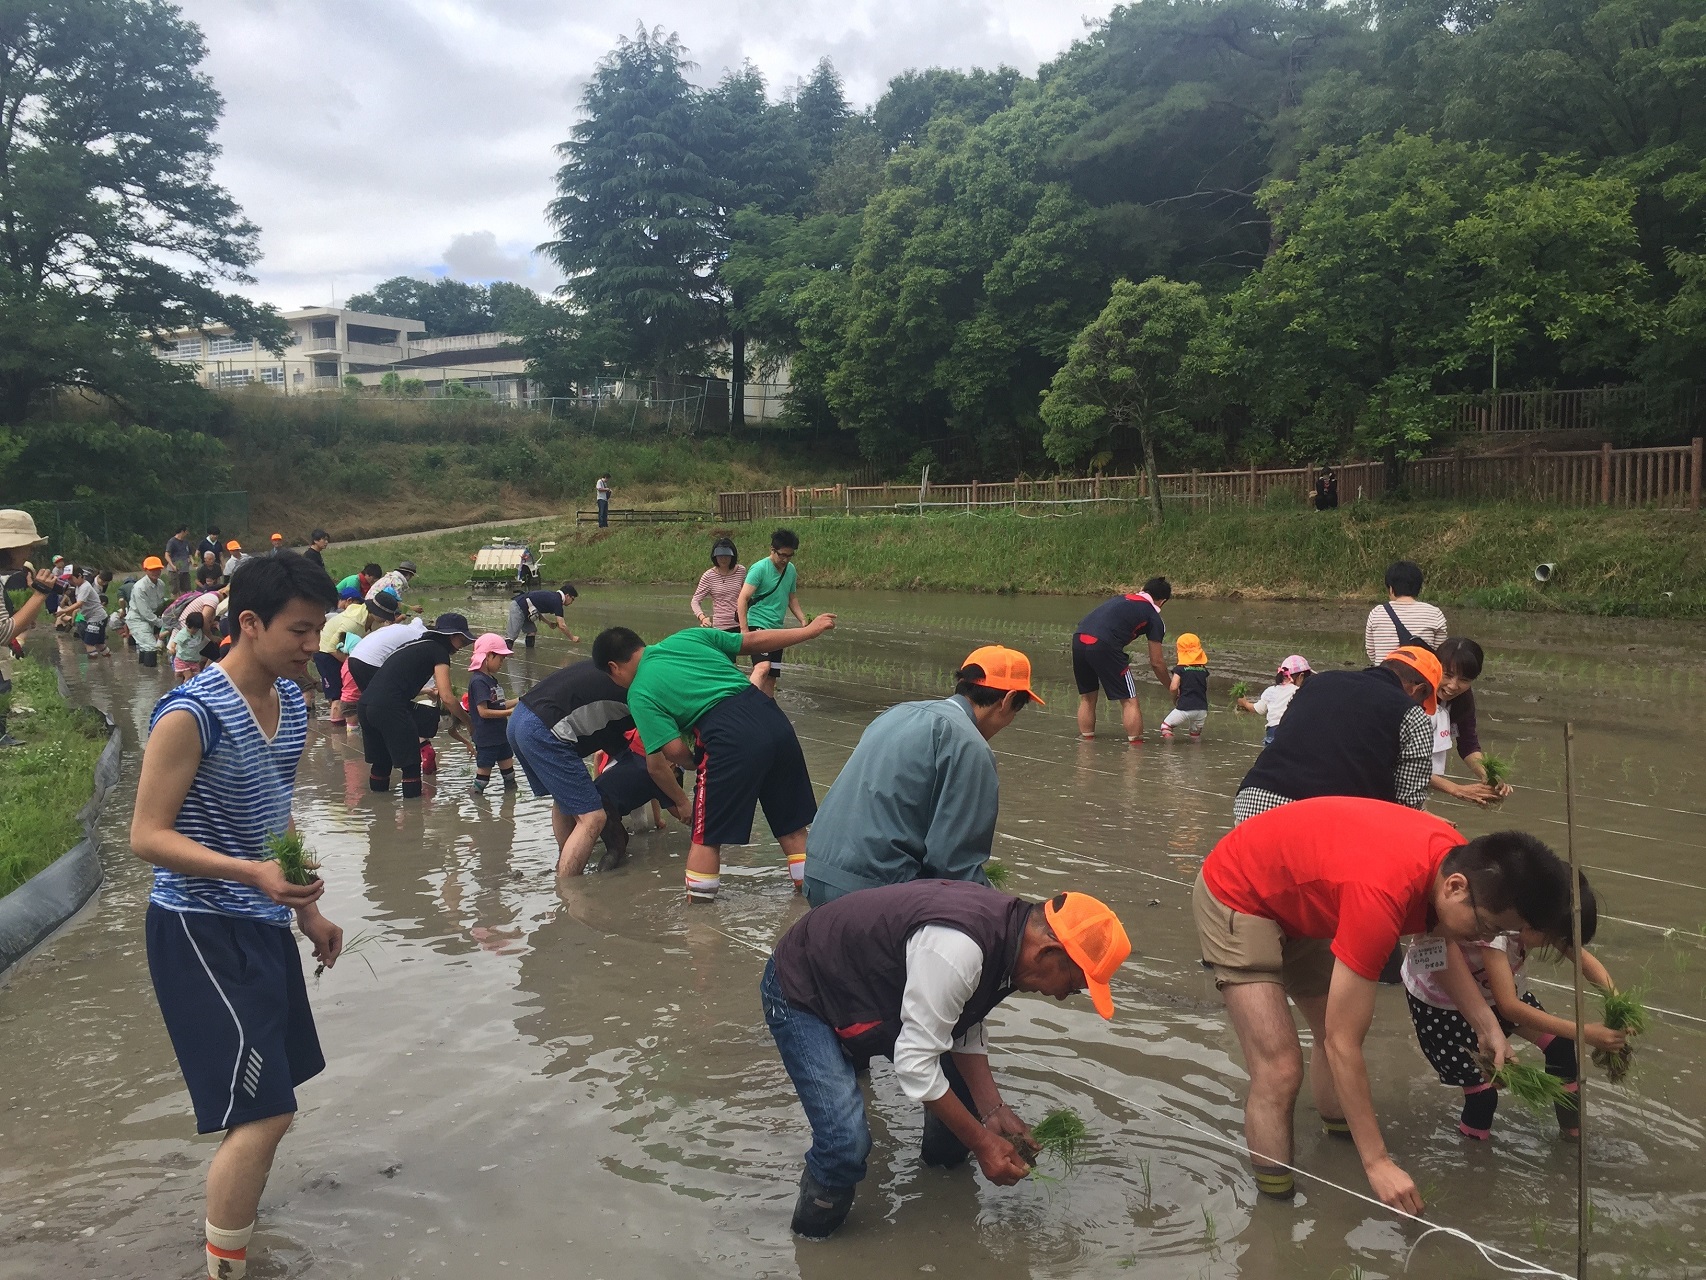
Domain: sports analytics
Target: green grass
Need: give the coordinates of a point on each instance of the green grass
(45, 782)
(1610, 562)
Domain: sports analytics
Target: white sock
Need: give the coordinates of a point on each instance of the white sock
(227, 1252)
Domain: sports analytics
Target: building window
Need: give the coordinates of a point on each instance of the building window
(272, 375)
(228, 346)
(232, 377)
(186, 349)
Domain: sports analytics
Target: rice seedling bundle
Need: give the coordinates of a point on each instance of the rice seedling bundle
(1498, 770)
(1061, 1134)
(997, 873)
(1240, 690)
(1624, 1011)
(295, 858)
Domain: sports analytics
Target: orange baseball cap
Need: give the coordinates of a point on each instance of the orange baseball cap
(153, 562)
(233, 545)
(1003, 668)
(1095, 939)
(1425, 665)
(278, 537)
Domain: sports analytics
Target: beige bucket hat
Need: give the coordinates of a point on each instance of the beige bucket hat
(18, 529)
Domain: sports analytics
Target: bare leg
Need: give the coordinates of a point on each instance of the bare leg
(1274, 1059)
(239, 1171)
(1322, 1088)
(1131, 712)
(1087, 715)
(584, 830)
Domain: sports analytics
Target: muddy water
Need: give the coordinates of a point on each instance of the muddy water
(530, 1082)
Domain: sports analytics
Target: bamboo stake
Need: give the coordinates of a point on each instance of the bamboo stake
(1582, 1224)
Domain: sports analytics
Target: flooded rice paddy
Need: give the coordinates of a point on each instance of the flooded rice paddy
(525, 1080)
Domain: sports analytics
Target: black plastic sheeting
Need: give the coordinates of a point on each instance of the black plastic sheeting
(34, 911)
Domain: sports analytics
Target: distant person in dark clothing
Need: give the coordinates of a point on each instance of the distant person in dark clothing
(1351, 733)
(211, 544)
(1327, 490)
(180, 557)
(390, 726)
(317, 546)
(528, 607)
(1100, 660)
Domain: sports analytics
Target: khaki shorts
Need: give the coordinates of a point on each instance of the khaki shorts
(1241, 948)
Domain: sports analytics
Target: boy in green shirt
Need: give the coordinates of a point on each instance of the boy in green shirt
(743, 747)
(767, 599)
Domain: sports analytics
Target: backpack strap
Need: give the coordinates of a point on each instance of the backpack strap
(1406, 637)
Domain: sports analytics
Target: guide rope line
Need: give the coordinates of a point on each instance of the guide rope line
(1522, 1267)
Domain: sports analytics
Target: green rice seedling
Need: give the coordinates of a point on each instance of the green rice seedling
(1210, 1233)
(1624, 1011)
(997, 873)
(1239, 690)
(1061, 1134)
(1533, 1087)
(1148, 1190)
(1497, 768)
(356, 946)
(295, 858)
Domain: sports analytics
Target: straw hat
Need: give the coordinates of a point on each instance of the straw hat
(18, 529)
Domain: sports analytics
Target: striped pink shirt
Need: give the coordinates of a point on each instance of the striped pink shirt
(724, 590)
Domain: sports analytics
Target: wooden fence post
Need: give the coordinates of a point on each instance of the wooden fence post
(1696, 452)
(1605, 474)
(1252, 484)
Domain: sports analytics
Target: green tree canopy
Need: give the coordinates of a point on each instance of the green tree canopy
(1132, 368)
(114, 231)
(447, 307)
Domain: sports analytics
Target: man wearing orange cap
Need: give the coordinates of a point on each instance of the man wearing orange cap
(909, 972)
(919, 795)
(277, 543)
(1351, 733)
(142, 611)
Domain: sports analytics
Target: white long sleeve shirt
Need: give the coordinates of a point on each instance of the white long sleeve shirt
(943, 968)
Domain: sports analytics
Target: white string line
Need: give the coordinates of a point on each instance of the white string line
(1651, 1008)
(1636, 875)
(1523, 1266)
(1095, 862)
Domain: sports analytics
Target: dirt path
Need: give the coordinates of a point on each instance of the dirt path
(455, 528)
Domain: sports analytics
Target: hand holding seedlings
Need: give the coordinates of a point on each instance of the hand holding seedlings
(1239, 695)
(1061, 1134)
(1623, 1011)
(995, 871)
(285, 875)
(1498, 772)
(1534, 1087)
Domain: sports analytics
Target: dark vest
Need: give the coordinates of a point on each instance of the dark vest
(845, 962)
(1339, 737)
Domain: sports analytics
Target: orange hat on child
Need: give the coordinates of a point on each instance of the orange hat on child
(1005, 669)
(1425, 665)
(1095, 939)
(1191, 652)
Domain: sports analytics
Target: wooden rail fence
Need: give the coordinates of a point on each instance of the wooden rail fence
(1656, 477)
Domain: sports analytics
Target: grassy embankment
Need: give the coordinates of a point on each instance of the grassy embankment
(367, 467)
(1609, 562)
(46, 781)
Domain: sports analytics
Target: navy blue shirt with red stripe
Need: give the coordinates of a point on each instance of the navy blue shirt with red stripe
(1121, 620)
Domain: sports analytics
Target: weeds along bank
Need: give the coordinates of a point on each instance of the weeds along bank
(45, 782)
(363, 466)
(1608, 562)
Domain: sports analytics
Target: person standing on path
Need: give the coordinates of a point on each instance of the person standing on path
(909, 972)
(1351, 733)
(722, 582)
(527, 607)
(317, 545)
(1100, 660)
(601, 491)
(178, 556)
(1403, 620)
(142, 613)
(744, 749)
(570, 714)
(218, 773)
(18, 537)
(767, 599)
(918, 798)
(1293, 903)
(390, 730)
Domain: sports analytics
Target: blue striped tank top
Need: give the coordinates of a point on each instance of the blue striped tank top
(241, 793)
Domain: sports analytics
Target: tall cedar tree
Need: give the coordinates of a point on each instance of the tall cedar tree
(637, 206)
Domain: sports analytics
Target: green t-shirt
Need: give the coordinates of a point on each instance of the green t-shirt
(681, 677)
(763, 615)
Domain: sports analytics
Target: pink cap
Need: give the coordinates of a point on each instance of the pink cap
(491, 642)
(1297, 664)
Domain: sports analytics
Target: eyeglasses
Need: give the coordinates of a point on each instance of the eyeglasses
(1484, 932)
(787, 553)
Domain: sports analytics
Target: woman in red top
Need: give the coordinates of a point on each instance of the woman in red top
(1307, 901)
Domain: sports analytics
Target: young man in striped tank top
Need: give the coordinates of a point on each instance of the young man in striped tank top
(218, 771)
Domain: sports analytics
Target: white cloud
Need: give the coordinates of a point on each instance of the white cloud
(368, 146)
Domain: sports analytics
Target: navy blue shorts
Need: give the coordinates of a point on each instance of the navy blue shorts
(1102, 666)
(236, 1008)
(748, 756)
(627, 784)
(487, 754)
(331, 670)
(551, 765)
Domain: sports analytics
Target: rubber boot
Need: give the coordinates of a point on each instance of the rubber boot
(532, 640)
(940, 1149)
(148, 658)
(820, 1209)
(6, 739)
(615, 837)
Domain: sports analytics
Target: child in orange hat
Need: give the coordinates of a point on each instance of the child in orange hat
(1189, 688)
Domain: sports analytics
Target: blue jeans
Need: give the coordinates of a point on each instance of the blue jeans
(826, 1083)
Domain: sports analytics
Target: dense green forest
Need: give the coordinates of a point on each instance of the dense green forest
(1370, 203)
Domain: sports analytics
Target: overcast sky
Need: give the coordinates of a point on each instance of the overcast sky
(414, 137)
